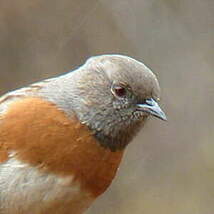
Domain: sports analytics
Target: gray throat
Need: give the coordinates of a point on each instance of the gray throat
(119, 141)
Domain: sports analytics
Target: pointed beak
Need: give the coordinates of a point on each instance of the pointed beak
(152, 107)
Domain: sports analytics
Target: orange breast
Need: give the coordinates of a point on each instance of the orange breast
(45, 137)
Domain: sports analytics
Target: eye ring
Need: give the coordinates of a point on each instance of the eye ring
(119, 90)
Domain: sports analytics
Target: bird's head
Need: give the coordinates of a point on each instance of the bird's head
(114, 96)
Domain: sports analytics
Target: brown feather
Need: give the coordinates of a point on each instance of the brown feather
(43, 136)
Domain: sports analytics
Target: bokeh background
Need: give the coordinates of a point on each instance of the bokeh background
(169, 169)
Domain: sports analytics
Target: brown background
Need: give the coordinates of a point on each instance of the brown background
(169, 169)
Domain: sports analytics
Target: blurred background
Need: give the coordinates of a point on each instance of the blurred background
(169, 169)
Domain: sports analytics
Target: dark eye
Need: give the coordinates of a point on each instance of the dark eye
(120, 91)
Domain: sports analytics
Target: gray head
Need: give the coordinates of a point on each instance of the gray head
(113, 95)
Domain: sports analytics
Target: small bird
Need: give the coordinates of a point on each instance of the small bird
(62, 139)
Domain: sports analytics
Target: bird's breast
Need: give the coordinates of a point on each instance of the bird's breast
(44, 137)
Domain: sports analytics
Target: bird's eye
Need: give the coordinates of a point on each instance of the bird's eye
(120, 91)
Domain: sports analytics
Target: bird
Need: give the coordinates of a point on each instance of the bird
(62, 139)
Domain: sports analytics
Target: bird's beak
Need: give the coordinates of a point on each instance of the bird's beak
(152, 107)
